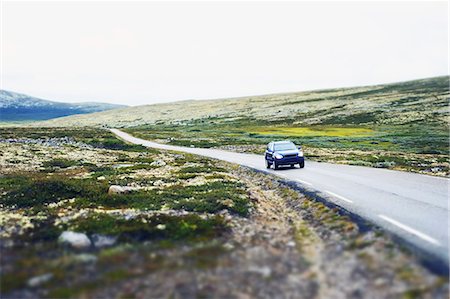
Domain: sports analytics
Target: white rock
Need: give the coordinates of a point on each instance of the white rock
(116, 189)
(103, 241)
(76, 240)
(161, 226)
(263, 271)
(228, 246)
(290, 244)
(85, 258)
(158, 183)
(101, 178)
(38, 280)
(158, 163)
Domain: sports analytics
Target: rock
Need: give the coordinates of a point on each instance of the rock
(75, 240)
(384, 164)
(85, 258)
(51, 142)
(228, 246)
(158, 163)
(290, 244)
(39, 280)
(263, 271)
(122, 165)
(158, 183)
(116, 189)
(380, 282)
(436, 169)
(161, 226)
(101, 178)
(103, 241)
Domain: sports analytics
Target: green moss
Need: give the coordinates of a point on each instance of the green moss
(413, 294)
(329, 217)
(200, 169)
(61, 163)
(186, 176)
(117, 275)
(64, 292)
(359, 243)
(216, 176)
(156, 227)
(33, 192)
(13, 281)
(134, 200)
(43, 231)
(407, 274)
(204, 256)
(210, 197)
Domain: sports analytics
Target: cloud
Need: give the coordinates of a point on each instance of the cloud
(146, 52)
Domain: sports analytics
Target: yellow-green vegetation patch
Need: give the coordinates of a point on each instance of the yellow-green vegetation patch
(314, 131)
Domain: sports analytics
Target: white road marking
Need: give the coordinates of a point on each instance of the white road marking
(304, 182)
(338, 196)
(410, 230)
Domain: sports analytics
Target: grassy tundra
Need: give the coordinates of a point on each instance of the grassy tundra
(178, 226)
(400, 126)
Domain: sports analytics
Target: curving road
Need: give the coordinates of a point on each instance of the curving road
(413, 207)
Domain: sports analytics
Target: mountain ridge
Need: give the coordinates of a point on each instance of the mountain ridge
(16, 106)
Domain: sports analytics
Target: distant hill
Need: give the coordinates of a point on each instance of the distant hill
(418, 101)
(20, 107)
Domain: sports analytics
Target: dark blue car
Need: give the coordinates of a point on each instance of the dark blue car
(284, 153)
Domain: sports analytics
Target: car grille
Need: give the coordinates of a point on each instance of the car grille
(290, 156)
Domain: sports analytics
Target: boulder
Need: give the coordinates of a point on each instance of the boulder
(39, 280)
(85, 258)
(75, 240)
(158, 163)
(103, 241)
(116, 189)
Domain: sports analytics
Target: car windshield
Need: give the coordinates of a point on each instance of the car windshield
(285, 146)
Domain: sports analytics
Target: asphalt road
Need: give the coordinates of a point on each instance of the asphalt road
(413, 207)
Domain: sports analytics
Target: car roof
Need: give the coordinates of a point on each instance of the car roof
(278, 142)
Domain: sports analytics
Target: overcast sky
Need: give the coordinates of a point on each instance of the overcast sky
(147, 52)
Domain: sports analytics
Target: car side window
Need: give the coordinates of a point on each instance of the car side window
(271, 147)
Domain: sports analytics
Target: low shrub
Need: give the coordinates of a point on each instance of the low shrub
(156, 227)
(32, 192)
(61, 163)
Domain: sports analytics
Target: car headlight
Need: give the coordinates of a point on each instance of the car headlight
(300, 153)
(278, 156)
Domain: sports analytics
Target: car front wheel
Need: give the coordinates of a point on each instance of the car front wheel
(268, 164)
(302, 164)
